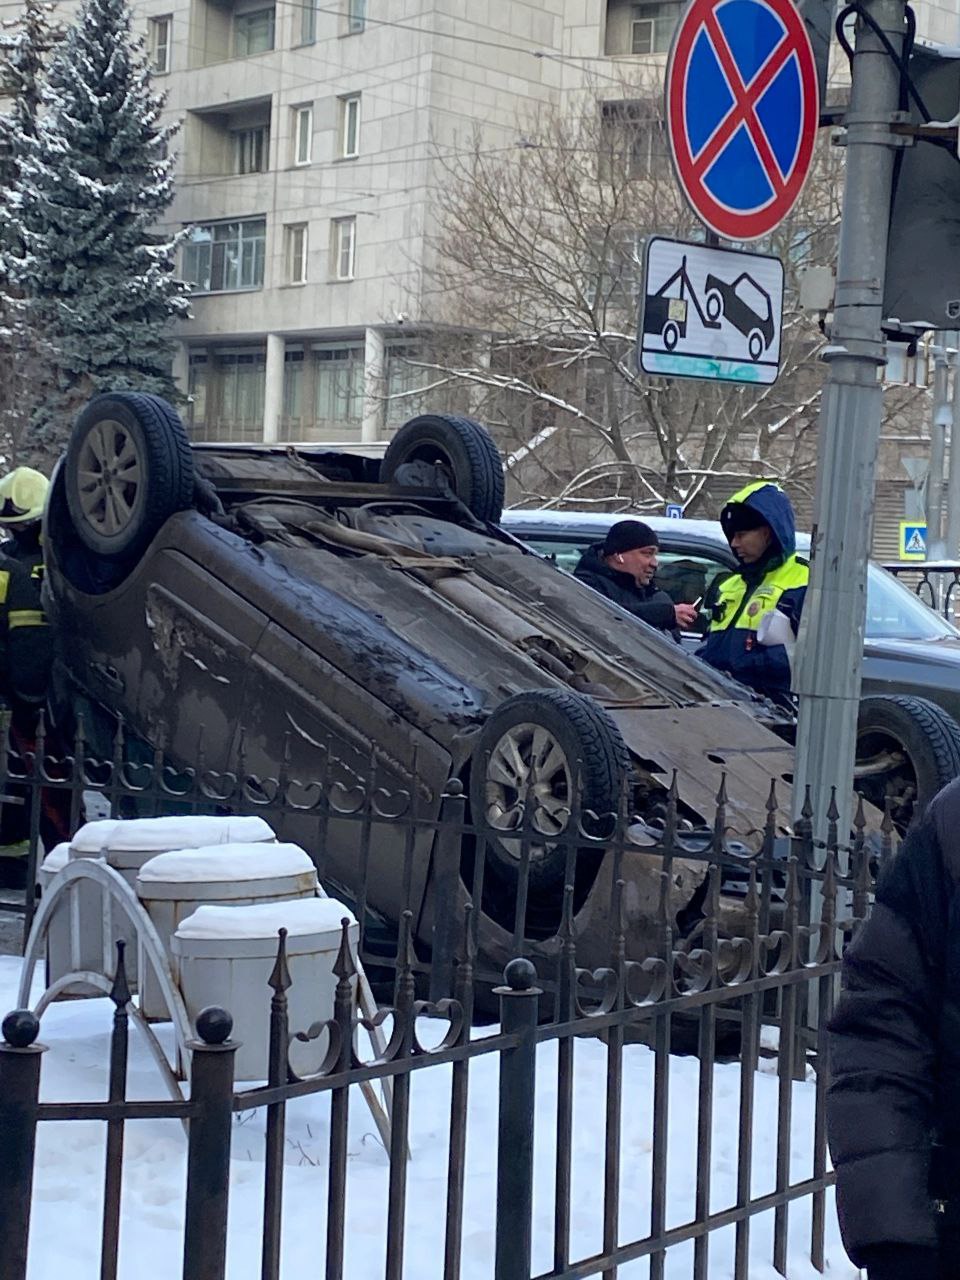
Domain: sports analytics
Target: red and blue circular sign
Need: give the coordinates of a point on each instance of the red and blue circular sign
(742, 112)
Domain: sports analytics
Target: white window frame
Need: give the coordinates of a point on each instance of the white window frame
(349, 140)
(245, 16)
(308, 22)
(344, 248)
(160, 48)
(233, 253)
(295, 235)
(658, 24)
(251, 149)
(356, 16)
(302, 135)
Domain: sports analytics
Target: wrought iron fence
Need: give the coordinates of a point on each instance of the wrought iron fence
(739, 963)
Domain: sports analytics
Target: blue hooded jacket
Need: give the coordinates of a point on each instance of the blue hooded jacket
(778, 581)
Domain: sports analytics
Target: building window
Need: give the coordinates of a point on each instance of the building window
(308, 22)
(223, 256)
(632, 141)
(344, 248)
(338, 377)
(404, 380)
(350, 126)
(292, 387)
(613, 268)
(197, 391)
(160, 31)
(651, 28)
(242, 382)
(302, 134)
(253, 32)
(295, 236)
(251, 149)
(356, 16)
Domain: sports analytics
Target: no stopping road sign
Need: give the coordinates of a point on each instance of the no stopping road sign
(742, 112)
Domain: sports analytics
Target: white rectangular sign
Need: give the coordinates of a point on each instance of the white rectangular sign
(709, 313)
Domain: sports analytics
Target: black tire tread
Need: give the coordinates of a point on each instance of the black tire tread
(171, 477)
(483, 457)
(938, 727)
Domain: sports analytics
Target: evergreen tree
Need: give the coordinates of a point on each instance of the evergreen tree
(24, 46)
(92, 184)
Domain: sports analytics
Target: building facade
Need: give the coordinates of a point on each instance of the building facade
(308, 151)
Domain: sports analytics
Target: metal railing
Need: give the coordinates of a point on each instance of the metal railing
(756, 950)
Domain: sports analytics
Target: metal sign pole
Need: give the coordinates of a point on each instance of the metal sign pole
(830, 648)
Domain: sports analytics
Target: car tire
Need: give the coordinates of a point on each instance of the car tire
(671, 335)
(713, 305)
(923, 734)
(465, 452)
(128, 468)
(542, 741)
(755, 344)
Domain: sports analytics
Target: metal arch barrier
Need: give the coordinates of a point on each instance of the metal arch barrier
(115, 889)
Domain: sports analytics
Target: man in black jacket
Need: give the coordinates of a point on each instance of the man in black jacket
(622, 568)
(893, 1106)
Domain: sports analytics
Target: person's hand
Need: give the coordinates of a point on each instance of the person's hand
(686, 615)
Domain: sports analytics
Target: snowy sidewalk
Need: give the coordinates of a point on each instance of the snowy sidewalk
(70, 1155)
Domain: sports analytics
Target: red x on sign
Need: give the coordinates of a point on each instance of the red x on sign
(742, 112)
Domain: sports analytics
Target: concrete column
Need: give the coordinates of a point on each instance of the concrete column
(273, 388)
(374, 369)
(180, 367)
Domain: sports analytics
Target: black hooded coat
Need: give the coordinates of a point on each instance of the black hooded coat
(648, 603)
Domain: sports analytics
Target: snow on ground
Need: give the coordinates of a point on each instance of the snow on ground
(70, 1154)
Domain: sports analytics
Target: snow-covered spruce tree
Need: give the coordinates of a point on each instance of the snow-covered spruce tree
(25, 44)
(98, 280)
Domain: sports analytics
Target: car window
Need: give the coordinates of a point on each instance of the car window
(686, 576)
(752, 295)
(895, 613)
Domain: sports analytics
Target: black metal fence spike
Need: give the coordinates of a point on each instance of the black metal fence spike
(772, 802)
(886, 826)
(807, 811)
(833, 813)
(20, 1028)
(280, 979)
(454, 787)
(120, 989)
(722, 791)
(674, 791)
(860, 817)
(214, 1025)
(344, 967)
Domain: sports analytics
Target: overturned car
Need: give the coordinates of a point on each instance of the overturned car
(323, 616)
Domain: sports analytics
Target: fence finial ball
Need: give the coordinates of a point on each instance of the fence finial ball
(520, 975)
(20, 1028)
(214, 1025)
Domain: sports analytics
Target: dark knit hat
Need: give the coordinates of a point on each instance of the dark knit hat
(738, 517)
(627, 535)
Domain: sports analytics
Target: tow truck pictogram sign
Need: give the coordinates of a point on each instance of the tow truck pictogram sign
(709, 313)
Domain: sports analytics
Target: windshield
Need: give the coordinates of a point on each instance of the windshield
(895, 613)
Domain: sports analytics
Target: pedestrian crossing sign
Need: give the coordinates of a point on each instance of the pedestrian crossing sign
(913, 540)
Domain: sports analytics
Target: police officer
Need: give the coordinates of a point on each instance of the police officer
(26, 655)
(25, 633)
(746, 638)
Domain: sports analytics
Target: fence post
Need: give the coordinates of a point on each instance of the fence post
(208, 1155)
(519, 1003)
(19, 1091)
(446, 883)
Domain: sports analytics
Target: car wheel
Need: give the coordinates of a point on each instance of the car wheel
(713, 305)
(907, 749)
(671, 335)
(462, 449)
(755, 344)
(539, 746)
(128, 469)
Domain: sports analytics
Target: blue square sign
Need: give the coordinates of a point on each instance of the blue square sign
(674, 511)
(913, 540)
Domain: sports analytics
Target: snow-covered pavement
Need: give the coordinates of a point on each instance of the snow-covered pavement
(70, 1155)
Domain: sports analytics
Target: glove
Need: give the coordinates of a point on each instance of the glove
(775, 628)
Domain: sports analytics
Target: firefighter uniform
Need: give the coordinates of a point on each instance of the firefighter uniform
(744, 598)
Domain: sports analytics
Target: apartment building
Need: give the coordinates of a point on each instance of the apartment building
(306, 161)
